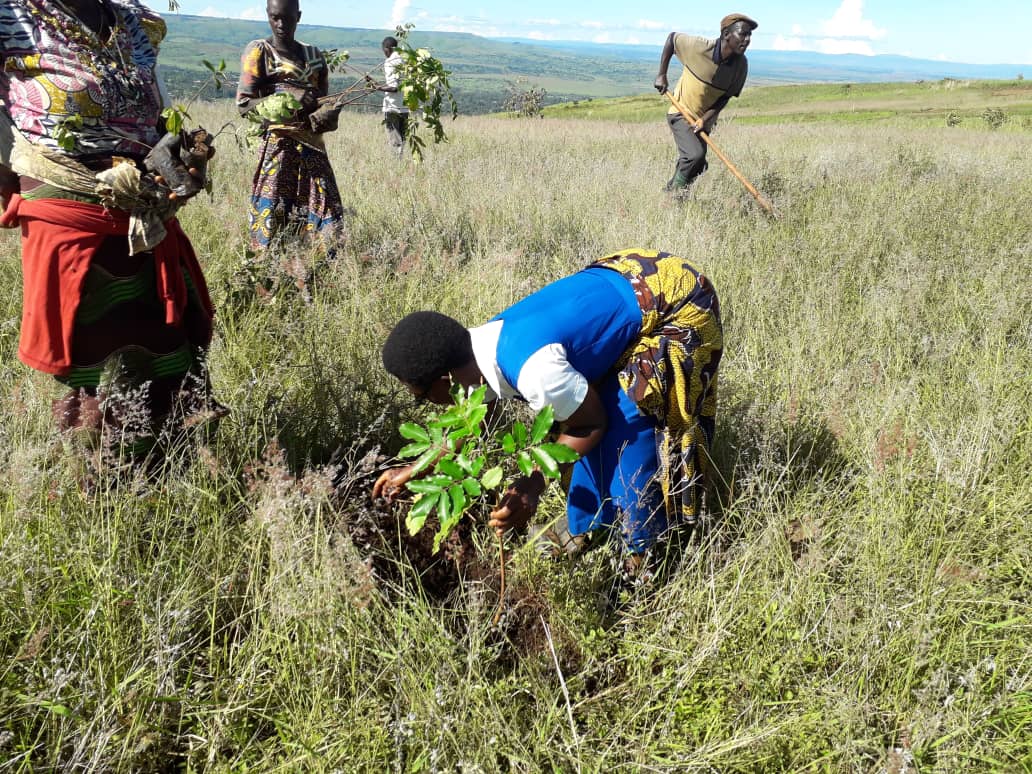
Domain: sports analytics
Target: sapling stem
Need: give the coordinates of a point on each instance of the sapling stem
(501, 588)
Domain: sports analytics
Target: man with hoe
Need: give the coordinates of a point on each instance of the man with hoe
(714, 72)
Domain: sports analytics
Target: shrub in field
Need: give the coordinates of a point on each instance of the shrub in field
(525, 102)
(994, 117)
(915, 163)
(953, 118)
(465, 464)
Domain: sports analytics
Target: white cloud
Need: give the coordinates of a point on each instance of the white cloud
(846, 32)
(649, 24)
(841, 46)
(849, 22)
(473, 27)
(781, 43)
(538, 35)
(595, 25)
(398, 12)
(544, 22)
(603, 38)
(249, 14)
(633, 40)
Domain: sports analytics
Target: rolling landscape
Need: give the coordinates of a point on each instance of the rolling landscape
(483, 68)
(858, 598)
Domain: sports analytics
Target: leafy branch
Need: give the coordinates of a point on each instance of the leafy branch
(176, 115)
(463, 464)
(425, 88)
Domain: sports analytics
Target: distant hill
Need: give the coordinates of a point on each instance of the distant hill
(946, 102)
(484, 68)
(804, 66)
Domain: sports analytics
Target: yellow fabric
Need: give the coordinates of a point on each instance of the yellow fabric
(670, 371)
(704, 81)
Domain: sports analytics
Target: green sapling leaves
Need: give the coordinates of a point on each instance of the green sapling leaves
(455, 451)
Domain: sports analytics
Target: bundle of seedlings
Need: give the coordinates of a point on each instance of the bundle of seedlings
(425, 90)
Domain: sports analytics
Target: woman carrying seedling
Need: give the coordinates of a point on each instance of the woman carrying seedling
(109, 278)
(626, 353)
(294, 189)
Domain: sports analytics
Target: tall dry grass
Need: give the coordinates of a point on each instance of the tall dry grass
(860, 603)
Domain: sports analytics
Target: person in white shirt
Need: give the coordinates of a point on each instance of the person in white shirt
(395, 114)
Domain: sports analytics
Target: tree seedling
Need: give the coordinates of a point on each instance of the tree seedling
(460, 463)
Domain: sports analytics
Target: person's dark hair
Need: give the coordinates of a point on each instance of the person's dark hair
(424, 346)
(389, 42)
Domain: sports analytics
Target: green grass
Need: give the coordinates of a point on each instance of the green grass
(860, 602)
(913, 105)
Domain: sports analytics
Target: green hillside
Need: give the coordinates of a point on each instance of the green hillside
(915, 104)
(481, 68)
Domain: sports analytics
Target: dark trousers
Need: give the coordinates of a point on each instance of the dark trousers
(397, 127)
(691, 152)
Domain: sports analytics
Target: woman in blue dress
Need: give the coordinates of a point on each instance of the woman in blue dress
(626, 352)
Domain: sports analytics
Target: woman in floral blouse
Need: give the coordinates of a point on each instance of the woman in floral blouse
(81, 98)
(294, 189)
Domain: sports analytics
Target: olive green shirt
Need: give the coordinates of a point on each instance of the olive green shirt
(704, 81)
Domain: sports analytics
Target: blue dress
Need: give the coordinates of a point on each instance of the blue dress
(595, 317)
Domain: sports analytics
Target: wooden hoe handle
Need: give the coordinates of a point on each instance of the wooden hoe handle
(690, 116)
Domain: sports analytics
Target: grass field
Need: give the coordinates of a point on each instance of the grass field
(859, 602)
(914, 105)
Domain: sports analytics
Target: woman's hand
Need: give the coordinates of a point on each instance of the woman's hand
(179, 163)
(324, 119)
(309, 100)
(5, 199)
(519, 504)
(391, 483)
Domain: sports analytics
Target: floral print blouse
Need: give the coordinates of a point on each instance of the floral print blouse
(53, 68)
(263, 71)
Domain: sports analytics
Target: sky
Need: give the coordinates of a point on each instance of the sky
(950, 30)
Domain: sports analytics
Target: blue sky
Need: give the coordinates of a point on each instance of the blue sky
(954, 30)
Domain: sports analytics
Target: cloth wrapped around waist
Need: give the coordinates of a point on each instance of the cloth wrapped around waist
(670, 371)
(59, 238)
(118, 185)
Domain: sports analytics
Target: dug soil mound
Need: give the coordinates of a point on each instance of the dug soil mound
(460, 576)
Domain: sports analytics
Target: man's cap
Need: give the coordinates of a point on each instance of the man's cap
(731, 18)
